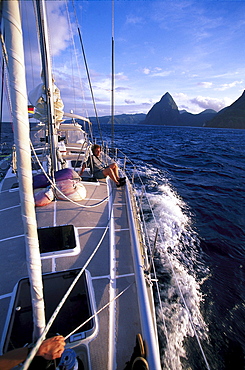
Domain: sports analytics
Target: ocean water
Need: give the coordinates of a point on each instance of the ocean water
(195, 183)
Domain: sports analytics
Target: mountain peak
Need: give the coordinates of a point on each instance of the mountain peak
(167, 98)
(206, 111)
(232, 116)
(166, 95)
(164, 112)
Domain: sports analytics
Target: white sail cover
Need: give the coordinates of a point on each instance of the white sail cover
(16, 68)
(37, 98)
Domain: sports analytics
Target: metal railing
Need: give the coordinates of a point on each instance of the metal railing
(144, 208)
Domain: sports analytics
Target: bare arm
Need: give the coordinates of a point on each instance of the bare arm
(50, 349)
(13, 358)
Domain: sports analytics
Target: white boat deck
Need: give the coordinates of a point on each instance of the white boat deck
(111, 268)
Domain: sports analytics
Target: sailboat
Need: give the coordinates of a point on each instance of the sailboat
(74, 259)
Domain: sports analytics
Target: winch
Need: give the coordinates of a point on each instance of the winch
(68, 360)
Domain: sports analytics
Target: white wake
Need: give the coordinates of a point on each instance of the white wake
(178, 269)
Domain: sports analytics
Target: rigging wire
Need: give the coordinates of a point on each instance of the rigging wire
(71, 57)
(174, 274)
(100, 310)
(1, 112)
(87, 71)
(154, 271)
(7, 90)
(77, 69)
(112, 76)
(58, 308)
(40, 11)
(153, 266)
(1, 109)
(30, 44)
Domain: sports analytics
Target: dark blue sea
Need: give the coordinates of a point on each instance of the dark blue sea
(195, 182)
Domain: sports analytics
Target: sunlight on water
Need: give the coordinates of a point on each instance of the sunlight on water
(178, 269)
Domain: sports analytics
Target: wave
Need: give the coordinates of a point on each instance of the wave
(206, 166)
(180, 273)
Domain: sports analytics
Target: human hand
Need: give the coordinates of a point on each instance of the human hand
(52, 348)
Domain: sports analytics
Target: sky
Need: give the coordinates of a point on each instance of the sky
(193, 49)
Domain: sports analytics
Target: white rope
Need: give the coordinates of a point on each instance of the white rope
(58, 308)
(101, 309)
(59, 191)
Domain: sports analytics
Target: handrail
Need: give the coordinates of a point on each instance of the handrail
(149, 331)
(132, 175)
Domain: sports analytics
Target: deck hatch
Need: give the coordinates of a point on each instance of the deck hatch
(56, 238)
(77, 309)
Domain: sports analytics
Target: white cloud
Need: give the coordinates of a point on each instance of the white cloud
(58, 26)
(131, 19)
(181, 97)
(199, 103)
(156, 72)
(102, 86)
(206, 85)
(141, 91)
(146, 71)
(228, 86)
(162, 74)
(121, 76)
(210, 103)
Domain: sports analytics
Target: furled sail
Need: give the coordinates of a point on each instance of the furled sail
(16, 68)
(37, 98)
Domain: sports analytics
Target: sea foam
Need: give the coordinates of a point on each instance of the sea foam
(179, 271)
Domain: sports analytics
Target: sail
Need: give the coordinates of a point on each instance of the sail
(16, 68)
(37, 97)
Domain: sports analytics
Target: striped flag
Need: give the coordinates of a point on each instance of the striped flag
(30, 109)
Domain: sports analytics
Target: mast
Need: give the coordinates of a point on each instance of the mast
(112, 82)
(16, 68)
(1, 109)
(47, 79)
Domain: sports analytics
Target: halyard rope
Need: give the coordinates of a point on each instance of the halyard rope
(101, 309)
(170, 262)
(58, 308)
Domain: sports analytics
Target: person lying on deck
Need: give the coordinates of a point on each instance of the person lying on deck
(50, 349)
(99, 170)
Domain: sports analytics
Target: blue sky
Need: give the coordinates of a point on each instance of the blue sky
(192, 49)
